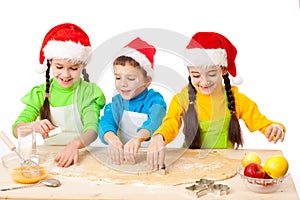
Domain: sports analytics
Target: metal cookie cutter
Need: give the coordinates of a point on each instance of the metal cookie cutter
(220, 189)
(197, 190)
(205, 186)
(207, 182)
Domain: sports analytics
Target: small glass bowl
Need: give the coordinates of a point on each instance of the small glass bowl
(261, 185)
(12, 163)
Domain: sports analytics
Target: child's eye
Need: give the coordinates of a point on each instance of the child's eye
(131, 78)
(212, 74)
(74, 68)
(58, 67)
(117, 77)
(196, 76)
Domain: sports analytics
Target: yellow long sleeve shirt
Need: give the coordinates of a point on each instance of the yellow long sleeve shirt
(206, 105)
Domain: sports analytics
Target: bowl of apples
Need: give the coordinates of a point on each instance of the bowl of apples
(264, 178)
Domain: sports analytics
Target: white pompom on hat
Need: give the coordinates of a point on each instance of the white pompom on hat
(65, 41)
(212, 49)
(142, 52)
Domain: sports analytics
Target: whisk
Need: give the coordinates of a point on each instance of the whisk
(29, 168)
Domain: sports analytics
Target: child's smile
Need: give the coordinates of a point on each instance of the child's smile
(206, 79)
(65, 72)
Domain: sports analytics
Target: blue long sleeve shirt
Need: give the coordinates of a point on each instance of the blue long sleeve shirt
(148, 102)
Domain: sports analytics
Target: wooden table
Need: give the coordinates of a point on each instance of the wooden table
(77, 188)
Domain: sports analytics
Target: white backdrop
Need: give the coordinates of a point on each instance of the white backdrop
(266, 34)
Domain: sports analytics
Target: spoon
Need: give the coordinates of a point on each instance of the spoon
(50, 182)
(29, 168)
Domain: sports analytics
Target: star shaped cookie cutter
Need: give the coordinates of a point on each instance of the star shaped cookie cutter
(205, 186)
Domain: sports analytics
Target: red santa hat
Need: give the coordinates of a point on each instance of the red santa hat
(65, 41)
(211, 49)
(142, 52)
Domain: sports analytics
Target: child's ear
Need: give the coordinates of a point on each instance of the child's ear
(148, 81)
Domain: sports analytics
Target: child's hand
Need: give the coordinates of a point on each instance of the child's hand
(115, 148)
(131, 148)
(274, 133)
(68, 156)
(116, 152)
(156, 153)
(43, 127)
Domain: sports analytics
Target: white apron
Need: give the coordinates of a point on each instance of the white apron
(67, 118)
(129, 124)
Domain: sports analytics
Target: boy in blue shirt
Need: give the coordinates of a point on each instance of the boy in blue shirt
(136, 111)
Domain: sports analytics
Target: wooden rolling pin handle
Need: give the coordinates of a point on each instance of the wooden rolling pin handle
(5, 139)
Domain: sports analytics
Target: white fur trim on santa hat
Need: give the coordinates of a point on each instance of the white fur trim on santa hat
(138, 57)
(237, 80)
(65, 50)
(198, 57)
(41, 68)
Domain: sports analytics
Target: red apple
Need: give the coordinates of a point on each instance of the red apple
(254, 170)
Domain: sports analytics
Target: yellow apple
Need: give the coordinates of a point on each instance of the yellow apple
(251, 157)
(276, 166)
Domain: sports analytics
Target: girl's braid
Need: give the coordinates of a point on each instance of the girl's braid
(45, 109)
(85, 75)
(234, 135)
(191, 127)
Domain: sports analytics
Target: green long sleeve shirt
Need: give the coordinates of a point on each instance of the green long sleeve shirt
(90, 100)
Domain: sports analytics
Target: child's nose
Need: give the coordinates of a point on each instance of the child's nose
(204, 81)
(123, 82)
(66, 73)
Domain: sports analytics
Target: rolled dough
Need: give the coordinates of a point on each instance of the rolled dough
(182, 165)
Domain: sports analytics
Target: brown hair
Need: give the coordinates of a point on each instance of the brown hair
(45, 109)
(191, 128)
(123, 60)
(235, 133)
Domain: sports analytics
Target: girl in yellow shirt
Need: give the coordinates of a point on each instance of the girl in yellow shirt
(209, 110)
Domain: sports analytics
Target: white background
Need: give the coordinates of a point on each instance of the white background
(266, 34)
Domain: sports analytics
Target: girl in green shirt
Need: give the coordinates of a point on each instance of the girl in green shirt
(66, 101)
